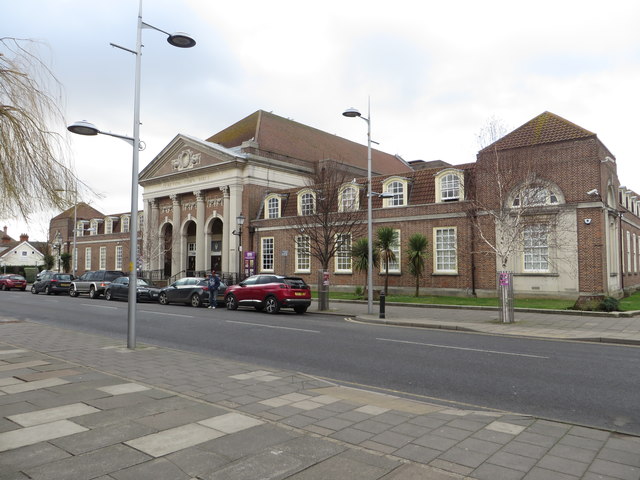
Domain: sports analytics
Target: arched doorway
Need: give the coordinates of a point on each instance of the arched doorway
(216, 245)
(190, 233)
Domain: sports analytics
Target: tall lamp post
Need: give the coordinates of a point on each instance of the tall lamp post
(352, 112)
(181, 40)
(239, 221)
(74, 257)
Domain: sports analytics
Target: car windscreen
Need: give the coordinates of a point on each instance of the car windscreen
(296, 283)
(64, 278)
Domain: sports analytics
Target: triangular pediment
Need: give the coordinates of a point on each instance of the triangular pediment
(187, 155)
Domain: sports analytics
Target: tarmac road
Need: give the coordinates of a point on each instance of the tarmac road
(588, 384)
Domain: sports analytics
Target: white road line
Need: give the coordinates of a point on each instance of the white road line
(460, 348)
(93, 305)
(274, 326)
(167, 314)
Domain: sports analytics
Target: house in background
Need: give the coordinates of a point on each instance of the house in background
(20, 253)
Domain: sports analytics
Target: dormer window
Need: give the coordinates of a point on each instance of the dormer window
(306, 202)
(93, 227)
(124, 224)
(348, 198)
(398, 188)
(108, 225)
(450, 185)
(272, 206)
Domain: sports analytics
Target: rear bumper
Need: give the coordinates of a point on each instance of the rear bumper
(295, 302)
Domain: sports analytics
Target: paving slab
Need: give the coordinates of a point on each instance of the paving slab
(39, 433)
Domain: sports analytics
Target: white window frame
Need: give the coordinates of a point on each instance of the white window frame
(306, 207)
(80, 228)
(303, 254)
(628, 270)
(87, 258)
(125, 223)
(272, 206)
(446, 190)
(398, 188)
(533, 197)
(535, 250)
(93, 230)
(442, 249)
(103, 258)
(267, 254)
(343, 259)
(140, 222)
(118, 259)
(349, 204)
(396, 265)
(108, 225)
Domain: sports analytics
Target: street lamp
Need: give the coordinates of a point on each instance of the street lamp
(352, 112)
(180, 40)
(239, 221)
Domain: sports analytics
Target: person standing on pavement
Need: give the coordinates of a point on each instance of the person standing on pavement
(213, 282)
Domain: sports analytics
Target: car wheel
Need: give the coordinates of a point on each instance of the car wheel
(33, 290)
(232, 302)
(271, 305)
(107, 295)
(300, 310)
(73, 292)
(92, 292)
(47, 290)
(4, 287)
(163, 299)
(196, 301)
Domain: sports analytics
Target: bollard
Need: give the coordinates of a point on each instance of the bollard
(382, 298)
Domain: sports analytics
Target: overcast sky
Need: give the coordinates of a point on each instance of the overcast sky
(435, 72)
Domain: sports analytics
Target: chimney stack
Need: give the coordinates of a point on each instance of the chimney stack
(24, 237)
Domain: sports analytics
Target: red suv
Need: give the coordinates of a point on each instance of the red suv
(269, 293)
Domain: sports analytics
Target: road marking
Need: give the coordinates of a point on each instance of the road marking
(167, 314)
(461, 348)
(98, 306)
(274, 326)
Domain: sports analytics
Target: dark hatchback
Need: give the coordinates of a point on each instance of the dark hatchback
(52, 283)
(118, 289)
(192, 291)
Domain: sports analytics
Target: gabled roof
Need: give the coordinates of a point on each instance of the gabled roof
(275, 134)
(83, 211)
(545, 128)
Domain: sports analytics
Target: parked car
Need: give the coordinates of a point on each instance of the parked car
(9, 281)
(270, 293)
(119, 289)
(93, 283)
(40, 274)
(52, 283)
(191, 291)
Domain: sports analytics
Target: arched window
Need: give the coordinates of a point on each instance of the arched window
(398, 188)
(306, 202)
(272, 206)
(450, 185)
(534, 196)
(348, 199)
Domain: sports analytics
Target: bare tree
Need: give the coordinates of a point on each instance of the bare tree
(31, 151)
(515, 210)
(333, 218)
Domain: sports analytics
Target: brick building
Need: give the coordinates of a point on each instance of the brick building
(543, 202)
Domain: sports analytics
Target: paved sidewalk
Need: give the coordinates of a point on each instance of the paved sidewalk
(79, 406)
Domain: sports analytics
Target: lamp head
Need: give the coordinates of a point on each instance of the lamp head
(352, 112)
(181, 40)
(83, 128)
(240, 220)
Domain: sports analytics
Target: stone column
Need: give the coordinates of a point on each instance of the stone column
(200, 231)
(153, 237)
(176, 250)
(226, 232)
